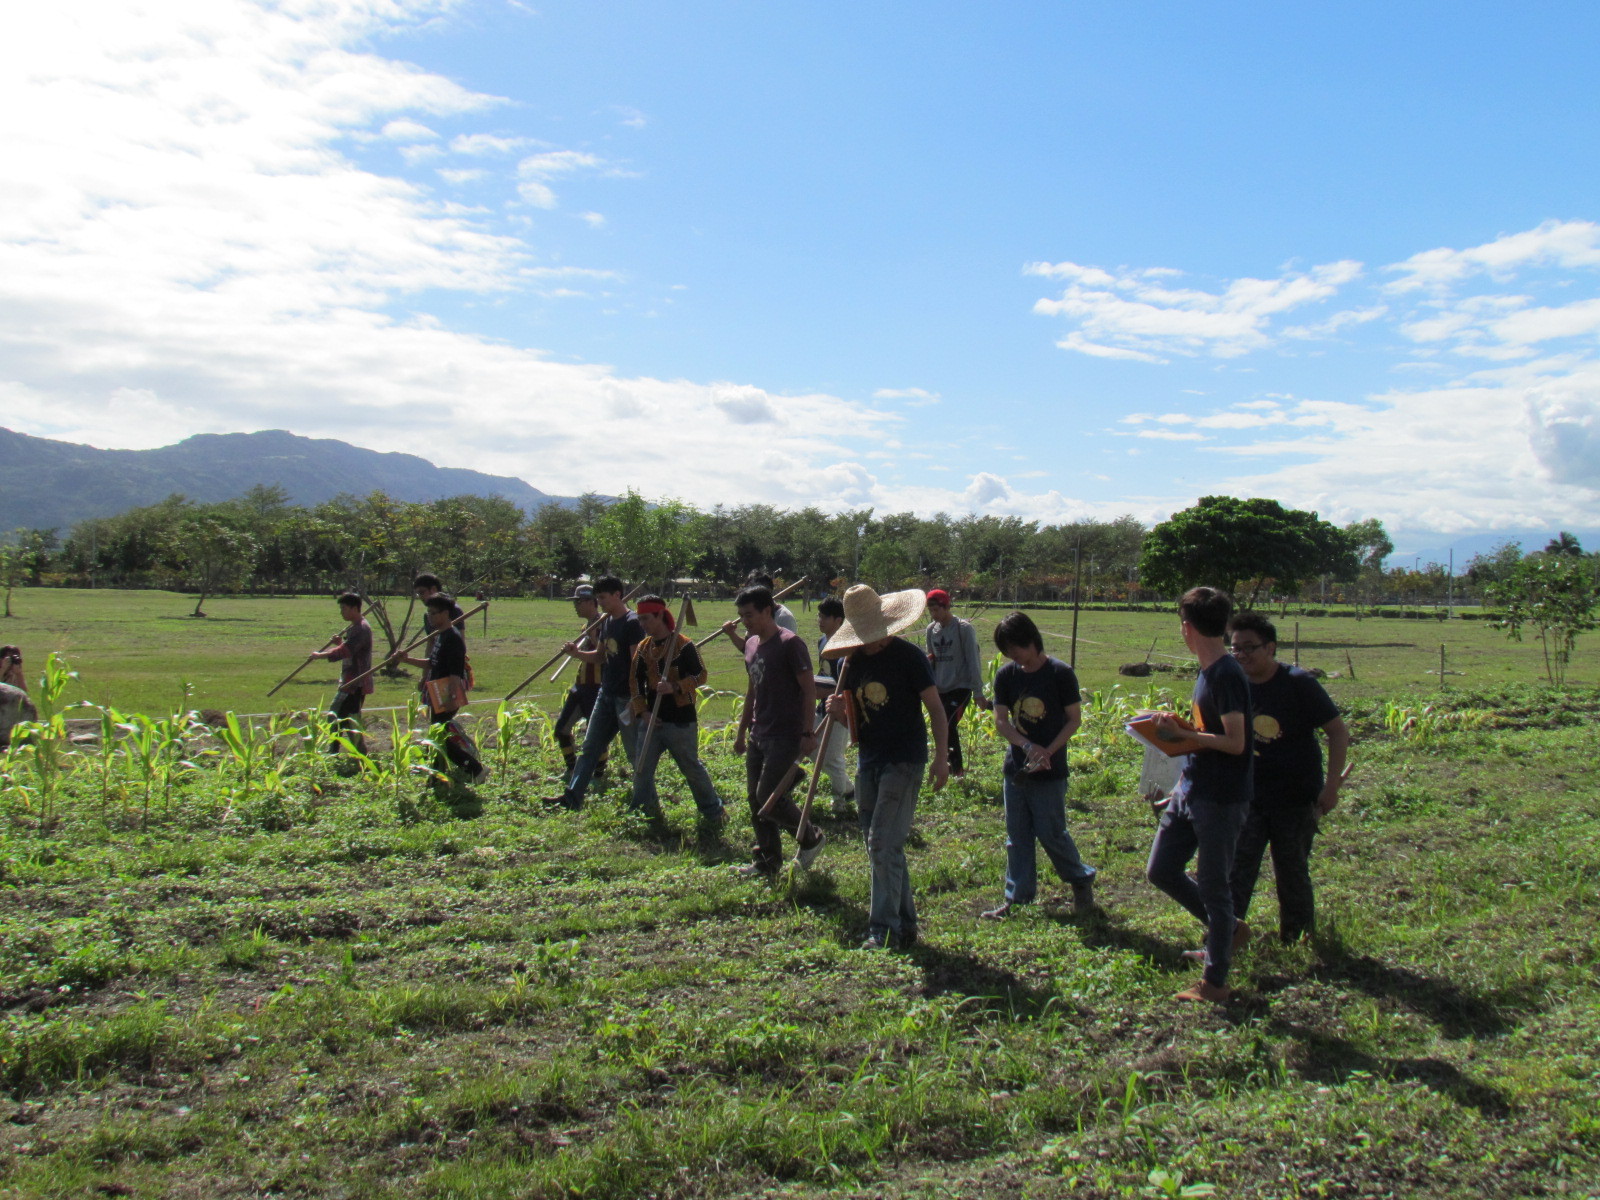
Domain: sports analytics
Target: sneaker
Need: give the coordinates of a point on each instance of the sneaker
(997, 914)
(564, 800)
(754, 871)
(875, 941)
(807, 855)
(1083, 895)
(479, 777)
(1241, 936)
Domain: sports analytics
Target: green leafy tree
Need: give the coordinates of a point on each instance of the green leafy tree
(13, 568)
(209, 555)
(1234, 544)
(1564, 543)
(1554, 594)
(642, 541)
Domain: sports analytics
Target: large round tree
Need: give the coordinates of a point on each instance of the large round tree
(1237, 544)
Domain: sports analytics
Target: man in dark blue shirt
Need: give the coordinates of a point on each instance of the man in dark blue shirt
(1203, 817)
(619, 633)
(1291, 792)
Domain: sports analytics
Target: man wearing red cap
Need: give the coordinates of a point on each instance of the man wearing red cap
(957, 668)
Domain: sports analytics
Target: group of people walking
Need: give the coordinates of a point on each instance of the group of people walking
(1252, 777)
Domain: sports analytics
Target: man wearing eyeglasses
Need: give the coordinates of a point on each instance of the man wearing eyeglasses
(1291, 793)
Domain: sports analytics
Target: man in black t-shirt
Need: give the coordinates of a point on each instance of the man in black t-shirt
(619, 633)
(886, 688)
(1291, 793)
(1203, 817)
(1037, 708)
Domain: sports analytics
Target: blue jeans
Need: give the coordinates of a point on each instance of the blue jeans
(886, 794)
(682, 741)
(604, 724)
(1036, 810)
(1212, 829)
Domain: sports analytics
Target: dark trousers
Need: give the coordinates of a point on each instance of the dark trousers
(345, 717)
(955, 706)
(578, 705)
(450, 752)
(766, 762)
(1207, 831)
(1289, 830)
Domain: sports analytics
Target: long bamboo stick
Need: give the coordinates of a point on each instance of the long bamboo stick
(711, 637)
(410, 646)
(328, 645)
(580, 637)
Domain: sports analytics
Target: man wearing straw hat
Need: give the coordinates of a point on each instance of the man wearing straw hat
(885, 688)
(666, 675)
(774, 730)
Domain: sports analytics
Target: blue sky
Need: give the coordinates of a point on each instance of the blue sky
(1048, 259)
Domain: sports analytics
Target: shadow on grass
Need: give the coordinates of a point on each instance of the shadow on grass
(1332, 1060)
(1458, 1010)
(1101, 931)
(954, 972)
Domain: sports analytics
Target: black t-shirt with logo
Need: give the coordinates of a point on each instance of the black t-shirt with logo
(618, 637)
(1289, 709)
(886, 694)
(1037, 703)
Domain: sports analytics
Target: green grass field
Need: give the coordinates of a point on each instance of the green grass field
(327, 985)
(135, 650)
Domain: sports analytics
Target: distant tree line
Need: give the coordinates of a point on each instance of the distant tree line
(261, 543)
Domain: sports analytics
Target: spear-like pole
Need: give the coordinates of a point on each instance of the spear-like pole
(410, 646)
(328, 645)
(779, 596)
(551, 661)
(568, 658)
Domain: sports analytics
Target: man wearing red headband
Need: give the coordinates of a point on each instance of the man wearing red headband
(667, 671)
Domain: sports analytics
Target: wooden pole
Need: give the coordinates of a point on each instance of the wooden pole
(1077, 566)
(816, 774)
(412, 645)
(568, 658)
(711, 637)
(311, 659)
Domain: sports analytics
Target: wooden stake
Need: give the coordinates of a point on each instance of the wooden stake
(822, 731)
(1349, 663)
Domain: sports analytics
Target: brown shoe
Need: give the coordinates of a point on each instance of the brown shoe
(1241, 936)
(1206, 991)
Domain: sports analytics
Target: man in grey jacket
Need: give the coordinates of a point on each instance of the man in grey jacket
(957, 668)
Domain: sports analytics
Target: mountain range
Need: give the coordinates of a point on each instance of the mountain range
(48, 484)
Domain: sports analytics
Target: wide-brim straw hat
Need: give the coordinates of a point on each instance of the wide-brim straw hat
(869, 617)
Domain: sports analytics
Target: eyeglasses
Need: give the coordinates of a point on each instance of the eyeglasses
(1240, 648)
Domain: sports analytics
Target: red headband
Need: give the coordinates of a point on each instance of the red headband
(661, 610)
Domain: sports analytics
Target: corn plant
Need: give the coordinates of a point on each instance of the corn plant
(408, 756)
(42, 747)
(107, 761)
(510, 722)
(252, 759)
(154, 751)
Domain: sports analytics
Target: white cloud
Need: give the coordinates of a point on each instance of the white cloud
(406, 130)
(184, 247)
(483, 144)
(536, 170)
(1134, 316)
(1553, 243)
(593, 220)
